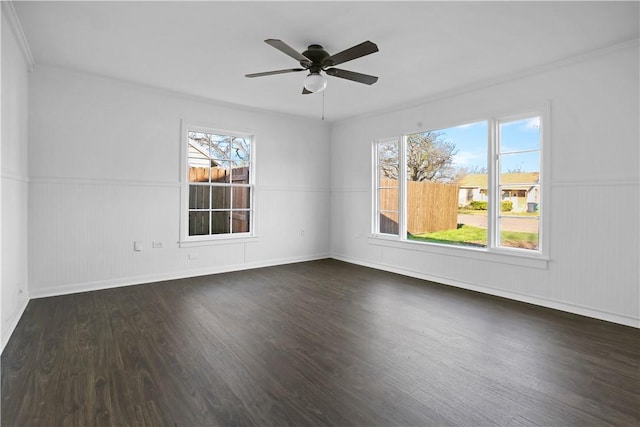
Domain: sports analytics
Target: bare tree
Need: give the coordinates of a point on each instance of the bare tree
(224, 147)
(474, 170)
(429, 158)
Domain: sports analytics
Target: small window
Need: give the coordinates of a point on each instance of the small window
(387, 186)
(218, 184)
(518, 159)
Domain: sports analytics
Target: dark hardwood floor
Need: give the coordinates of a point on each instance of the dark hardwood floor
(315, 343)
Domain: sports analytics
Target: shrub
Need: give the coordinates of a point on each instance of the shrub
(478, 205)
(506, 206)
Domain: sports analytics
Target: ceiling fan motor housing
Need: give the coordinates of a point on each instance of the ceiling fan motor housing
(319, 58)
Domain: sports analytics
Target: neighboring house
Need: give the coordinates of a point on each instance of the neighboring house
(198, 156)
(522, 189)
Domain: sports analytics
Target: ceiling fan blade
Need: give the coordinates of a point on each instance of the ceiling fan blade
(305, 91)
(364, 48)
(352, 75)
(270, 73)
(285, 48)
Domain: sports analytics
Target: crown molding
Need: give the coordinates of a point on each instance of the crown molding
(633, 43)
(14, 22)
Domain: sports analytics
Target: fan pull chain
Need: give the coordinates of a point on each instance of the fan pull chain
(323, 104)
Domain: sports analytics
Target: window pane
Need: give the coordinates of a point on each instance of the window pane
(447, 191)
(389, 222)
(220, 222)
(519, 232)
(519, 184)
(199, 197)
(241, 197)
(221, 147)
(198, 223)
(520, 163)
(240, 160)
(388, 208)
(241, 152)
(388, 170)
(388, 199)
(198, 158)
(388, 159)
(221, 197)
(220, 172)
(240, 223)
(240, 175)
(520, 135)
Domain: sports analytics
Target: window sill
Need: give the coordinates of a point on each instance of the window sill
(482, 254)
(215, 241)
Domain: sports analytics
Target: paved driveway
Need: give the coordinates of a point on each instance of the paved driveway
(524, 224)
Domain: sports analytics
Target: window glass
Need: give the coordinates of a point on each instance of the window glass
(519, 183)
(447, 185)
(387, 187)
(220, 188)
(451, 194)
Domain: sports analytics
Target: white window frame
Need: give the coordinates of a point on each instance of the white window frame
(492, 252)
(208, 239)
(376, 180)
(494, 195)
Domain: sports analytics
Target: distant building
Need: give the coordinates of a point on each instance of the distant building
(519, 188)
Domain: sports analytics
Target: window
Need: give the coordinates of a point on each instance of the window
(476, 185)
(518, 160)
(388, 190)
(218, 184)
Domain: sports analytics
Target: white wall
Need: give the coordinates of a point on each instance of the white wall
(593, 209)
(14, 184)
(104, 161)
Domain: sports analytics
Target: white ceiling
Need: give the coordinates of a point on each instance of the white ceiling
(426, 48)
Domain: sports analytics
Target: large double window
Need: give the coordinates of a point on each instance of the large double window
(476, 185)
(218, 184)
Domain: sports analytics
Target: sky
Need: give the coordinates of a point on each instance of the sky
(520, 135)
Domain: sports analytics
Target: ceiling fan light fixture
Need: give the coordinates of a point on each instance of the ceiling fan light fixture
(315, 82)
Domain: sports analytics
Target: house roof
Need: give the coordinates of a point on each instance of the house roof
(199, 151)
(512, 181)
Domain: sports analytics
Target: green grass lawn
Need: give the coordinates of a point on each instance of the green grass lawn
(475, 236)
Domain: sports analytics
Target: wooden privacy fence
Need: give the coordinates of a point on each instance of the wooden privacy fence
(219, 174)
(431, 206)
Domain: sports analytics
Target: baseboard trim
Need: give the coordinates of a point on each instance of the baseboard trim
(150, 278)
(543, 302)
(175, 275)
(6, 335)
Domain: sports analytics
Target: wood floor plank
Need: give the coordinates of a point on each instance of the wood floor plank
(321, 343)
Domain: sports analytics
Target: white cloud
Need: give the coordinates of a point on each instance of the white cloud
(533, 123)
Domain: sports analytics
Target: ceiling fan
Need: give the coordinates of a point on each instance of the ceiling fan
(315, 59)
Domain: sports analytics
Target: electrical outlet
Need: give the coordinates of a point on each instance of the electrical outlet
(193, 256)
(302, 232)
(156, 245)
